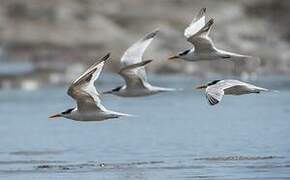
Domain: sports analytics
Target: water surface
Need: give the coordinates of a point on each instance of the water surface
(172, 136)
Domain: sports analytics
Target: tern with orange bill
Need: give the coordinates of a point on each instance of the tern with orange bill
(133, 71)
(197, 33)
(215, 90)
(83, 91)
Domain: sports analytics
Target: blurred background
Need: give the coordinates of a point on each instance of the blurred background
(50, 42)
(45, 44)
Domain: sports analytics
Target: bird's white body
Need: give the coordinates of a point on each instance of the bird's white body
(83, 91)
(140, 91)
(93, 115)
(133, 71)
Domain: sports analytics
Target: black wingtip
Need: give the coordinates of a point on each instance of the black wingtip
(212, 101)
(106, 57)
(151, 35)
(201, 13)
(208, 24)
(147, 61)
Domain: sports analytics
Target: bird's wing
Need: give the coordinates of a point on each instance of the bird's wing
(200, 14)
(234, 86)
(227, 83)
(196, 24)
(239, 86)
(214, 94)
(83, 91)
(135, 52)
(131, 76)
(201, 40)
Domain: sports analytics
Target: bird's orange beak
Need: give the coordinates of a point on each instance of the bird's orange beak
(54, 116)
(201, 87)
(173, 57)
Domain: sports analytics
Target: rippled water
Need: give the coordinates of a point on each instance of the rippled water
(172, 136)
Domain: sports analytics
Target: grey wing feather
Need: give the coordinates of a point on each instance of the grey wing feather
(200, 14)
(203, 44)
(201, 39)
(132, 78)
(135, 52)
(83, 91)
(214, 94)
(196, 24)
(227, 83)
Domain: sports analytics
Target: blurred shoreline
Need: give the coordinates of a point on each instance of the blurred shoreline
(51, 42)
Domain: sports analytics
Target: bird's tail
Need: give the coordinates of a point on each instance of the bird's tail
(267, 90)
(273, 90)
(119, 114)
(164, 89)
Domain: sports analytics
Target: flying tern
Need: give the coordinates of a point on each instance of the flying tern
(197, 33)
(215, 90)
(83, 91)
(133, 71)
